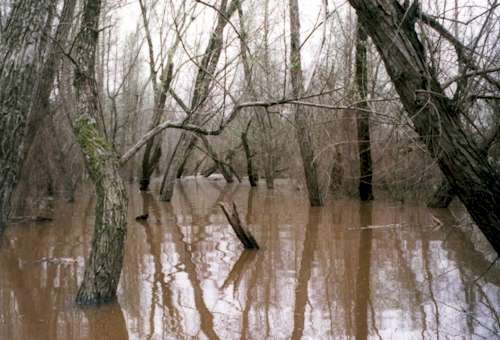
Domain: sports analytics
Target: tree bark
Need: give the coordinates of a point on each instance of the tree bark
(243, 233)
(444, 194)
(252, 176)
(363, 118)
(442, 197)
(176, 161)
(103, 267)
(434, 115)
(301, 127)
(49, 72)
(21, 56)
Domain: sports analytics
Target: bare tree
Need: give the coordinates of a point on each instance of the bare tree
(202, 83)
(152, 151)
(434, 115)
(301, 118)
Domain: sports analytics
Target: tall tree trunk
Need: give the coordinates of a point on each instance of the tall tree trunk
(48, 73)
(301, 126)
(247, 69)
(434, 115)
(266, 129)
(103, 267)
(364, 142)
(20, 60)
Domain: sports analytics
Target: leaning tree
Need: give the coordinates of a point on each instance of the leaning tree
(436, 117)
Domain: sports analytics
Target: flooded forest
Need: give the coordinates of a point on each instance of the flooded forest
(249, 169)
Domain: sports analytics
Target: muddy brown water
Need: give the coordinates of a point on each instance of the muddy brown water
(380, 270)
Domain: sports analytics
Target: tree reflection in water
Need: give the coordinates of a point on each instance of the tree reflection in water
(317, 276)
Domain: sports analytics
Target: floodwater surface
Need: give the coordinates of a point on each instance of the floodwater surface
(349, 270)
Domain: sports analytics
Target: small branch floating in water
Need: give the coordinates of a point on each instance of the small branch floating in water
(241, 232)
(380, 226)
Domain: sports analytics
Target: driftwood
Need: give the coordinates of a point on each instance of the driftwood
(242, 233)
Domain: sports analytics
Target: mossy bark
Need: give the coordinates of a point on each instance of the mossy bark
(104, 265)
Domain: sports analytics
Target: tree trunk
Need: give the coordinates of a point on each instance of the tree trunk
(103, 267)
(176, 160)
(48, 74)
(301, 127)
(247, 69)
(266, 131)
(20, 61)
(220, 165)
(363, 119)
(444, 194)
(152, 151)
(434, 115)
(252, 176)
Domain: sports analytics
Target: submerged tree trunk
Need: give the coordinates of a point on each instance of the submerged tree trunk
(434, 115)
(176, 161)
(363, 119)
(301, 125)
(252, 176)
(21, 56)
(223, 168)
(103, 267)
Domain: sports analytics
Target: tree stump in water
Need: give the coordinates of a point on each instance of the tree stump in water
(242, 233)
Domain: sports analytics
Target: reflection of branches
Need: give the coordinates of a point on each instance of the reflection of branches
(155, 242)
(185, 257)
(429, 278)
